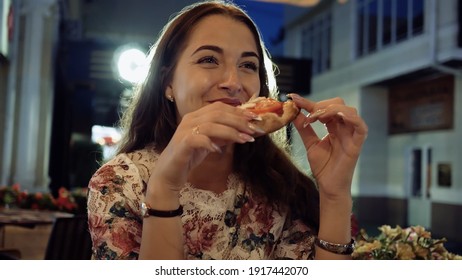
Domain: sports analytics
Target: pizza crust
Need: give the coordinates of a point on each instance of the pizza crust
(271, 122)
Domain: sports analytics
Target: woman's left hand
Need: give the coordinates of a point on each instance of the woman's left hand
(333, 157)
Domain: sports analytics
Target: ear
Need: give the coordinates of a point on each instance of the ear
(169, 93)
(168, 89)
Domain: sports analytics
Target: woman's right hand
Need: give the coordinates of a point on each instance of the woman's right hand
(201, 132)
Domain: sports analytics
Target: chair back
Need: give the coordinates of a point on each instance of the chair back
(69, 239)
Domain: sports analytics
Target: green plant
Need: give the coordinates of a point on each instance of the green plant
(67, 201)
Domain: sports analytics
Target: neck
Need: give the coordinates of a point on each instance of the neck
(212, 174)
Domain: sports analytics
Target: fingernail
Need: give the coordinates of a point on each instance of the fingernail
(250, 115)
(307, 121)
(217, 148)
(256, 128)
(246, 137)
(342, 116)
(317, 113)
(293, 96)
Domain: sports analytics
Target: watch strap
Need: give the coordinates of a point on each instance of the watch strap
(148, 211)
(342, 249)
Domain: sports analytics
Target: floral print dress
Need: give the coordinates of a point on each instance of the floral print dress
(230, 225)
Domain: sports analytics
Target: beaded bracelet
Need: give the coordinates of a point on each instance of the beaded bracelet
(342, 249)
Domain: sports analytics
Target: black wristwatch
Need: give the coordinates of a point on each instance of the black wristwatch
(147, 211)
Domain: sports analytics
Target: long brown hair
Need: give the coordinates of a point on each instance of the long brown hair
(151, 118)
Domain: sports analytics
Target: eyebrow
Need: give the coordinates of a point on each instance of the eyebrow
(220, 51)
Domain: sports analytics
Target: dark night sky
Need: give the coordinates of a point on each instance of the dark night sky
(269, 17)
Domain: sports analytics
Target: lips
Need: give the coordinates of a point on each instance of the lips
(229, 101)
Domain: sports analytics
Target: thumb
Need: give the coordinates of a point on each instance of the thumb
(306, 131)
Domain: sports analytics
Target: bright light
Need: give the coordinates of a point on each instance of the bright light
(107, 137)
(132, 65)
(272, 84)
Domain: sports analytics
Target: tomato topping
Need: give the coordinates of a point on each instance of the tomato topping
(266, 106)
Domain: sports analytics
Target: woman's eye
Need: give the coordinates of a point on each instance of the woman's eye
(250, 65)
(208, 59)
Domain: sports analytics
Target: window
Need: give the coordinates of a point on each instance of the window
(381, 23)
(316, 42)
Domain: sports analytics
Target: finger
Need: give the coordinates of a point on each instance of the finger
(223, 108)
(222, 133)
(236, 122)
(311, 106)
(360, 128)
(331, 113)
(224, 114)
(301, 102)
(195, 140)
(307, 133)
(350, 130)
(328, 102)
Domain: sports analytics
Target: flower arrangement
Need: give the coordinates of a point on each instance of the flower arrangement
(411, 243)
(67, 201)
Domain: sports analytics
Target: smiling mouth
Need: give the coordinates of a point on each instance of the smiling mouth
(229, 101)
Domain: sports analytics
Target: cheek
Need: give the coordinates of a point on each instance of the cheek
(192, 88)
(253, 87)
(190, 93)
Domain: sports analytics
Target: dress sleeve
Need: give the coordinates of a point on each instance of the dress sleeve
(296, 243)
(114, 219)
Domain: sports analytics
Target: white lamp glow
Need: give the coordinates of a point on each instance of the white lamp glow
(132, 65)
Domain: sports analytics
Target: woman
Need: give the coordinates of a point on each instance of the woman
(214, 191)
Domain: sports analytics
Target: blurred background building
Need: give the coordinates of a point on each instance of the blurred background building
(397, 61)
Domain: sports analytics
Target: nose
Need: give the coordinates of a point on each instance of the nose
(231, 81)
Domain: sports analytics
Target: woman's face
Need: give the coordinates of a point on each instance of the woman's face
(219, 63)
